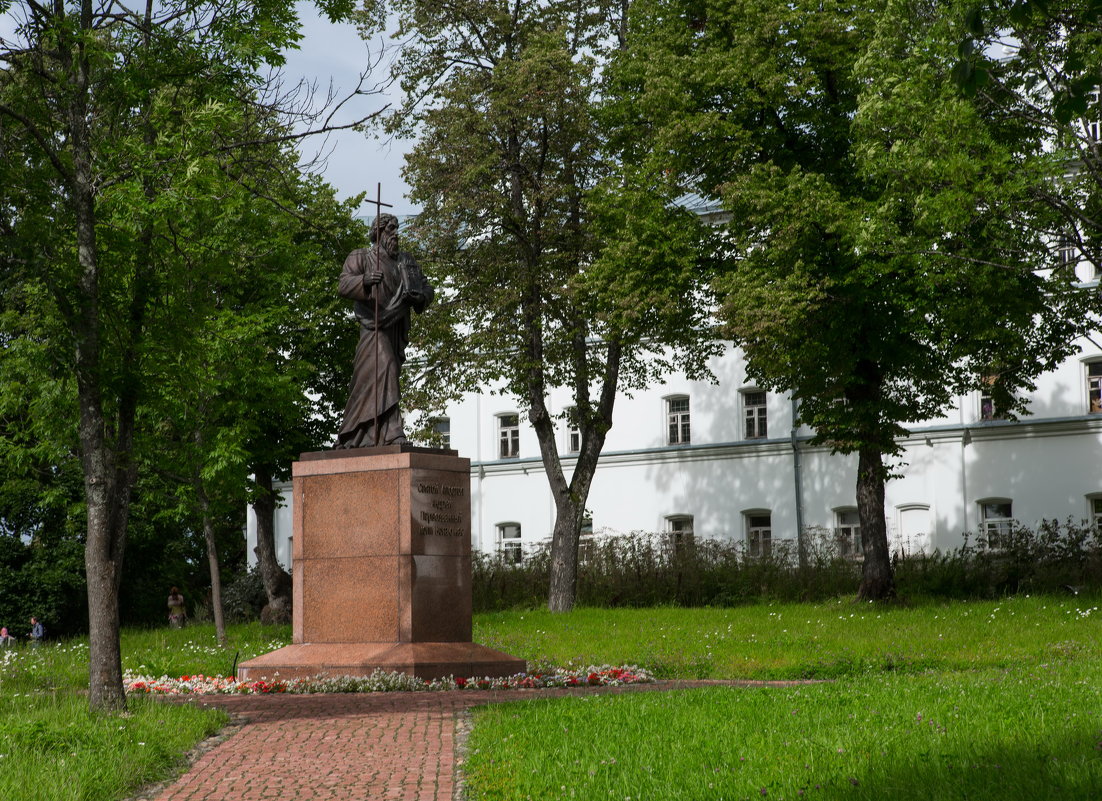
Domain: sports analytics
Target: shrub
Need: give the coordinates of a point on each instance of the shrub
(244, 597)
(646, 569)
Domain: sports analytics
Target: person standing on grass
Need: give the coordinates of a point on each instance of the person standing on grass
(37, 632)
(5, 638)
(176, 612)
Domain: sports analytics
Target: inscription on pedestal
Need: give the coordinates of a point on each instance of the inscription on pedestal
(447, 514)
(440, 513)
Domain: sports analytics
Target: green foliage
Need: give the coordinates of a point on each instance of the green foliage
(548, 272)
(886, 235)
(244, 597)
(1041, 61)
(193, 326)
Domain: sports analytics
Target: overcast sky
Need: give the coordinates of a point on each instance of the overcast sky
(355, 162)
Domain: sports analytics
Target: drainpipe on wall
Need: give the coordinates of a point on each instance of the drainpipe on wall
(481, 468)
(801, 546)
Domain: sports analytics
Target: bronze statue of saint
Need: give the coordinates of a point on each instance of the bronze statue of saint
(384, 285)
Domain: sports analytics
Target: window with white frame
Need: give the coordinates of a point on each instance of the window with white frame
(1067, 250)
(1092, 125)
(677, 419)
(442, 428)
(680, 529)
(996, 519)
(847, 533)
(989, 410)
(759, 534)
(1094, 387)
(573, 432)
(916, 529)
(508, 436)
(753, 405)
(1096, 511)
(585, 541)
(509, 543)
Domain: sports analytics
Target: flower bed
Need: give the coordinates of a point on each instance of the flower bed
(593, 676)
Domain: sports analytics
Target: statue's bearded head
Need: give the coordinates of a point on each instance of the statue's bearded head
(385, 230)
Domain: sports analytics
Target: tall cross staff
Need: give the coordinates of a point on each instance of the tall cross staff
(378, 201)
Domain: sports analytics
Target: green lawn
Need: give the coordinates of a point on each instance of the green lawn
(978, 700)
(786, 641)
(999, 701)
(53, 748)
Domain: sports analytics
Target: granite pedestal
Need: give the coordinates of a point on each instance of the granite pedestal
(381, 554)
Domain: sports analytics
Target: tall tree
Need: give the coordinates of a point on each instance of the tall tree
(882, 251)
(520, 239)
(1041, 61)
(111, 107)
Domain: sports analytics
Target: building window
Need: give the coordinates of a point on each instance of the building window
(680, 530)
(851, 545)
(585, 541)
(509, 544)
(759, 535)
(753, 404)
(1096, 512)
(677, 416)
(1093, 127)
(508, 436)
(573, 431)
(1067, 251)
(442, 428)
(997, 517)
(989, 408)
(1094, 387)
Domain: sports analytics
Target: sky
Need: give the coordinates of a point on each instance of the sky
(355, 162)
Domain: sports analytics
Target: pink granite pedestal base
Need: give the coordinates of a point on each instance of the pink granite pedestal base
(381, 556)
(425, 660)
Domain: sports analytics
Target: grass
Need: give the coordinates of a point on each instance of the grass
(998, 735)
(792, 640)
(54, 748)
(976, 700)
(935, 700)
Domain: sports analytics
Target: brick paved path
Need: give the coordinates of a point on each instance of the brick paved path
(371, 747)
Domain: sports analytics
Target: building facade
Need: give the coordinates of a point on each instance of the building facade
(724, 460)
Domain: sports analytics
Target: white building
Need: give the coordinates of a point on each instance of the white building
(723, 460)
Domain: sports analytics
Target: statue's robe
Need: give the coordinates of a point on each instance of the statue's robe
(374, 394)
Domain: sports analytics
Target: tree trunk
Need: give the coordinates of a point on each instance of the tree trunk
(106, 488)
(103, 567)
(564, 554)
(277, 581)
(212, 562)
(570, 499)
(877, 582)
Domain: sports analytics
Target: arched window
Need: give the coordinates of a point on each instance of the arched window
(847, 533)
(679, 431)
(509, 543)
(759, 533)
(508, 436)
(680, 530)
(996, 519)
(754, 414)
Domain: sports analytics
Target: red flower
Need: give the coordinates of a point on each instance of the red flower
(460, 682)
